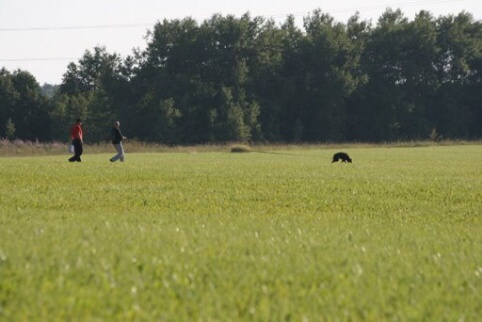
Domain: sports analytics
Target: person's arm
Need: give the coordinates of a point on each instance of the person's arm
(80, 134)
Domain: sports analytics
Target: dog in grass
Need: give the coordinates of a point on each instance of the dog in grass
(341, 156)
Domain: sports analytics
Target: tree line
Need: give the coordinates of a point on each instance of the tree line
(250, 79)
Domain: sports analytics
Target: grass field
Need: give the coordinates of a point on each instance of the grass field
(219, 236)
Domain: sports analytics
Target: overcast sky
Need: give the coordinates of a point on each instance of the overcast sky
(43, 36)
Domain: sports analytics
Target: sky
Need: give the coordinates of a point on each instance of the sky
(44, 36)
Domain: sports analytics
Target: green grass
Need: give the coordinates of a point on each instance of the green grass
(219, 236)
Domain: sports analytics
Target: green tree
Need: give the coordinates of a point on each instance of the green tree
(161, 117)
(194, 66)
(10, 129)
(457, 109)
(284, 119)
(8, 99)
(420, 81)
(381, 100)
(65, 109)
(22, 104)
(240, 79)
(329, 59)
(98, 80)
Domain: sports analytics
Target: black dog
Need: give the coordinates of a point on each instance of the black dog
(341, 156)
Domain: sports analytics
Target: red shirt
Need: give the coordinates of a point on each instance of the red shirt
(76, 132)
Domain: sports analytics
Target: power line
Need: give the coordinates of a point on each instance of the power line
(133, 25)
(36, 59)
(145, 24)
(399, 4)
(375, 7)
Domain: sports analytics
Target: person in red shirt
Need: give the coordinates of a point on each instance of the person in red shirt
(77, 140)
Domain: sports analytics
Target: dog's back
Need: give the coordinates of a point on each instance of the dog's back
(341, 156)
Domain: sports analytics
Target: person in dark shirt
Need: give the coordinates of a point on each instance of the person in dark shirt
(117, 139)
(76, 135)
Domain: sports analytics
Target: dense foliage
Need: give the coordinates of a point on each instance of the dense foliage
(250, 79)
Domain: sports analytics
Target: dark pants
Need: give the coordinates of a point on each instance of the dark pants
(78, 150)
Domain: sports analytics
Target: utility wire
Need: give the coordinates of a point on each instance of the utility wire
(145, 24)
(136, 25)
(37, 59)
(399, 4)
(112, 26)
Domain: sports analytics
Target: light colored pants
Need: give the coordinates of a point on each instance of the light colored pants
(120, 153)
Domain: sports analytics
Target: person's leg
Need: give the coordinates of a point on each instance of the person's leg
(81, 150)
(77, 151)
(72, 158)
(120, 153)
(120, 149)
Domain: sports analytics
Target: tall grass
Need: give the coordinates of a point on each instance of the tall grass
(278, 235)
(35, 148)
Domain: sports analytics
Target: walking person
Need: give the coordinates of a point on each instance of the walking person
(76, 135)
(117, 139)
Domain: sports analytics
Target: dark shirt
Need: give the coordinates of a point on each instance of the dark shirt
(116, 136)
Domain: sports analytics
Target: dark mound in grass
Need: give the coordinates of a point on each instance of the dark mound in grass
(240, 149)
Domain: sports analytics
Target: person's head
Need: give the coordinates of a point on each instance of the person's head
(116, 124)
(78, 121)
